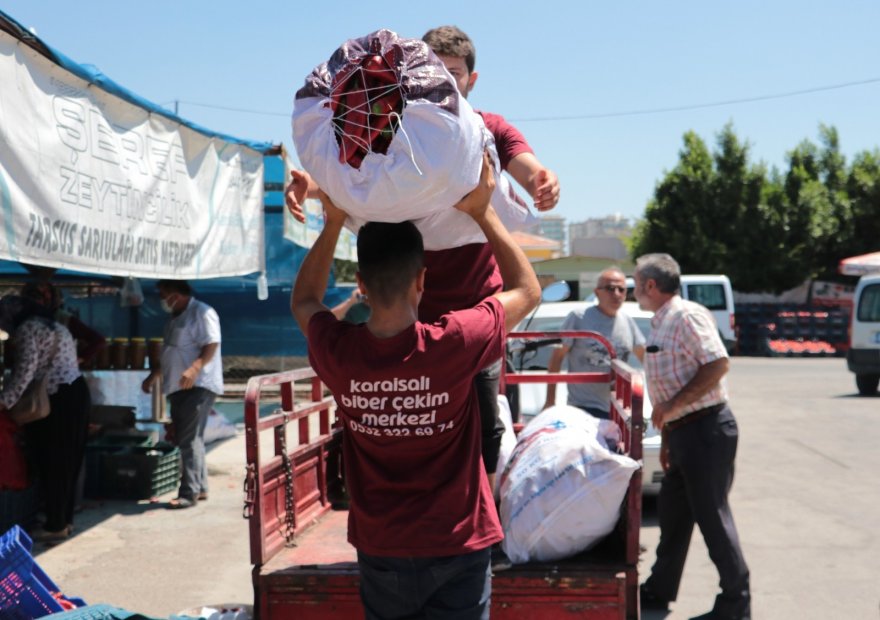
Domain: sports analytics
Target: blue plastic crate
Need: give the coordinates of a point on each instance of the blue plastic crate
(26, 592)
(18, 507)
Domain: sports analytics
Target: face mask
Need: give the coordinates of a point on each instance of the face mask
(166, 306)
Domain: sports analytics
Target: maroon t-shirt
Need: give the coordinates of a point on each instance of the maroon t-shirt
(458, 278)
(509, 142)
(461, 277)
(411, 445)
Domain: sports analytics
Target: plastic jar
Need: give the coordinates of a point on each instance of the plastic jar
(102, 359)
(119, 353)
(137, 353)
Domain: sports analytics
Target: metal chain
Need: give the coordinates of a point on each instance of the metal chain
(250, 489)
(289, 517)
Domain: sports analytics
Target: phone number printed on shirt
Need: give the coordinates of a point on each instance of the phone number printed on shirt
(425, 430)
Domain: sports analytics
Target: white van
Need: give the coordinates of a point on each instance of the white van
(712, 291)
(863, 357)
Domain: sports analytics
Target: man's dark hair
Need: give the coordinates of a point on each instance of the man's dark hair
(452, 41)
(175, 286)
(390, 257)
(661, 268)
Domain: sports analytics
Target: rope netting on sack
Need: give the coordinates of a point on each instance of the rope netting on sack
(367, 104)
(382, 129)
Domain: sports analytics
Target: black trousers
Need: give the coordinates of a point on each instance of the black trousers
(487, 385)
(695, 490)
(456, 587)
(57, 443)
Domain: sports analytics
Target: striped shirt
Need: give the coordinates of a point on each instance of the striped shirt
(683, 338)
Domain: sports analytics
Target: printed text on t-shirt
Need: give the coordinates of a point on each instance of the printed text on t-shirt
(413, 407)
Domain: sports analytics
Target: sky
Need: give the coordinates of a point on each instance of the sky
(604, 92)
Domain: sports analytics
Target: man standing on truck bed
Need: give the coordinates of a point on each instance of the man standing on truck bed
(422, 516)
(685, 362)
(460, 277)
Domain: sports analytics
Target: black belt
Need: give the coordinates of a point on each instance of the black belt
(694, 416)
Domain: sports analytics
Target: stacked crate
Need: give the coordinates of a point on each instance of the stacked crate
(130, 466)
(141, 472)
(792, 330)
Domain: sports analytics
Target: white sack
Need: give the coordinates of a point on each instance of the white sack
(508, 441)
(562, 490)
(433, 160)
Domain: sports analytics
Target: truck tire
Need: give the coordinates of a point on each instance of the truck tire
(867, 384)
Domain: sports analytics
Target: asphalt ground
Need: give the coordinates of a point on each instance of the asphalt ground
(805, 496)
(805, 500)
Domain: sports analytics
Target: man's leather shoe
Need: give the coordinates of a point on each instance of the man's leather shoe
(649, 600)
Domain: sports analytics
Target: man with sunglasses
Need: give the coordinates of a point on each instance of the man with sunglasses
(590, 355)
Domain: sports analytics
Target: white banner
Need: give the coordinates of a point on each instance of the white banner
(91, 182)
(305, 233)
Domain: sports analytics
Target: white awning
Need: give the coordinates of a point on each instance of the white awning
(860, 265)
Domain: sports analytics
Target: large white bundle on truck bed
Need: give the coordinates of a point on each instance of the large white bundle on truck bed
(562, 488)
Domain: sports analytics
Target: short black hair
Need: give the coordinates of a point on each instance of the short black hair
(175, 286)
(390, 257)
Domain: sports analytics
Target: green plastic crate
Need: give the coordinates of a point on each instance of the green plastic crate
(141, 472)
(98, 449)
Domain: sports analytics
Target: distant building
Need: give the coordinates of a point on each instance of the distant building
(551, 227)
(608, 226)
(600, 237)
(605, 247)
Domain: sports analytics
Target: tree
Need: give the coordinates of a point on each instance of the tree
(717, 213)
(863, 190)
(769, 231)
(817, 206)
(674, 218)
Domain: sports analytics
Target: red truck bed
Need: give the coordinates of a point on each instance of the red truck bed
(304, 567)
(319, 579)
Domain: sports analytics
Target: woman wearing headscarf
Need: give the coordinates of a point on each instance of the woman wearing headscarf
(88, 341)
(43, 347)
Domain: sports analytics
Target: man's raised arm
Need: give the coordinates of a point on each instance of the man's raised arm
(314, 273)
